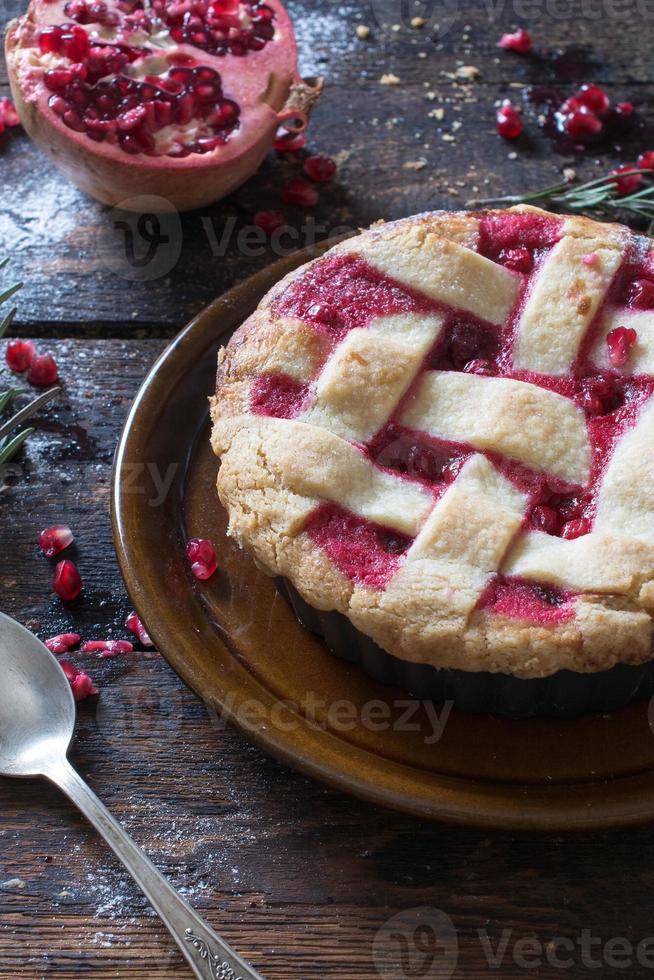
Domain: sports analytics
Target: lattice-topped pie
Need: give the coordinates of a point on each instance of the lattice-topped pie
(443, 429)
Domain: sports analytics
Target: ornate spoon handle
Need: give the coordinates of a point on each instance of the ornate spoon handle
(207, 954)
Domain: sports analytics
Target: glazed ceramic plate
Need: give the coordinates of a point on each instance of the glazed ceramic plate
(237, 643)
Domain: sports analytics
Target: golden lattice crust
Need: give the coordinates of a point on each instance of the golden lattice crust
(275, 472)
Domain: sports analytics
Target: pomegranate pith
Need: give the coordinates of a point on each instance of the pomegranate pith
(127, 96)
(67, 581)
(54, 539)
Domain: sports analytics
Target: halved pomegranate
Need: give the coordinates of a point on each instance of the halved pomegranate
(176, 98)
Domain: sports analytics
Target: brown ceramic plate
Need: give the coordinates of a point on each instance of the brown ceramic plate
(235, 641)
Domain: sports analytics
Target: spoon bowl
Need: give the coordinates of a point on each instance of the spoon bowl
(37, 708)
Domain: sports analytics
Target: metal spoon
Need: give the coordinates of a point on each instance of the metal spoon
(37, 718)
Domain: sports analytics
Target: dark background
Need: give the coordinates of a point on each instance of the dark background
(297, 877)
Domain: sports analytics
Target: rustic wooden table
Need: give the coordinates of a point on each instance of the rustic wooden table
(299, 878)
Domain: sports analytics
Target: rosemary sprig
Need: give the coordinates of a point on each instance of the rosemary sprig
(10, 439)
(596, 198)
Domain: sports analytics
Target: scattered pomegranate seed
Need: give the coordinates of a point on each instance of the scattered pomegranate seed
(519, 259)
(135, 626)
(575, 529)
(54, 539)
(641, 294)
(590, 258)
(8, 114)
(578, 121)
(646, 160)
(80, 682)
(479, 366)
(202, 556)
(320, 169)
(545, 518)
(625, 108)
(509, 121)
(270, 221)
(67, 581)
(20, 354)
(43, 370)
(620, 342)
(63, 642)
(594, 97)
(290, 143)
(299, 194)
(628, 184)
(107, 648)
(519, 41)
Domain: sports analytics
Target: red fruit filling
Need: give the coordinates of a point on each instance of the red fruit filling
(509, 121)
(67, 581)
(320, 169)
(620, 342)
(519, 41)
(20, 354)
(640, 294)
(107, 648)
(630, 182)
(43, 370)
(202, 557)
(135, 626)
(299, 194)
(278, 395)
(63, 642)
(54, 539)
(529, 601)
(81, 683)
(269, 221)
(364, 552)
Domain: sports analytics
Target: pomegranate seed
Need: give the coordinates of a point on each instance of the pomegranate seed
(590, 258)
(628, 184)
(320, 169)
(80, 682)
(67, 581)
(202, 556)
(519, 259)
(290, 142)
(299, 194)
(20, 354)
(620, 342)
(63, 642)
(509, 121)
(575, 529)
(580, 122)
(641, 294)
(134, 625)
(107, 648)
(519, 41)
(594, 98)
(8, 114)
(54, 539)
(625, 108)
(479, 366)
(545, 518)
(646, 160)
(43, 370)
(270, 221)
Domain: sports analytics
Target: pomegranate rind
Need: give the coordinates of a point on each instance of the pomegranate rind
(265, 85)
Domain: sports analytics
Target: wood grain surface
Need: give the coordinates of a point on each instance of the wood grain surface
(302, 880)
